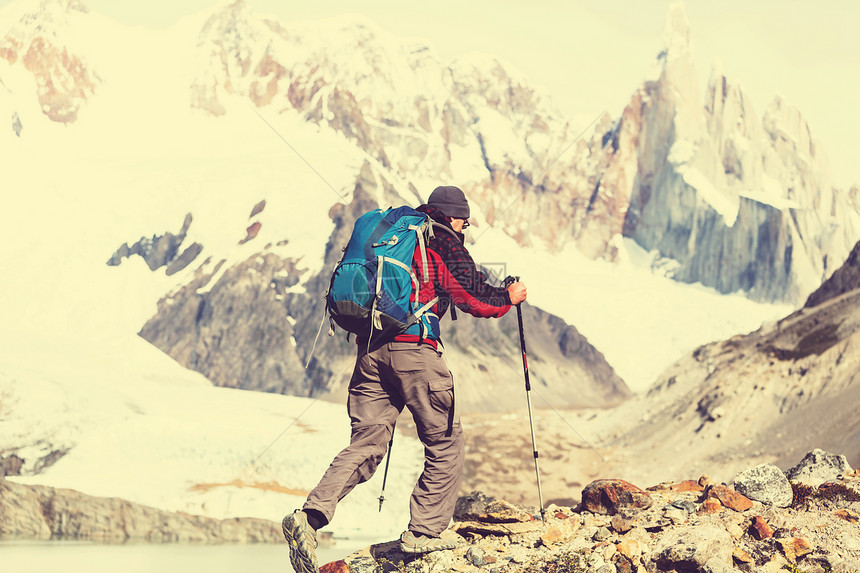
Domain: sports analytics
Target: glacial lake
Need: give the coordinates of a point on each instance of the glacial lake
(81, 557)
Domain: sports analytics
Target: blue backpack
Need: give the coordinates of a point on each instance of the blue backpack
(371, 287)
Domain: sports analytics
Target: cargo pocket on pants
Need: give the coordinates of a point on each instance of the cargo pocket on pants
(441, 398)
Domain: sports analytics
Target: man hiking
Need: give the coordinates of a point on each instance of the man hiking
(408, 370)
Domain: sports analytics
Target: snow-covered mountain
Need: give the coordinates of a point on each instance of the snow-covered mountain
(739, 203)
(47, 41)
(420, 118)
(728, 199)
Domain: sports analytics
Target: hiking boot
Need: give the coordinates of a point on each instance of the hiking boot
(412, 543)
(303, 542)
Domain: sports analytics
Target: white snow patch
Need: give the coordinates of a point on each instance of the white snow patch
(681, 155)
(771, 193)
(500, 140)
(640, 321)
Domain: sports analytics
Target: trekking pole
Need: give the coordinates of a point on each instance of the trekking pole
(385, 474)
(508, 282)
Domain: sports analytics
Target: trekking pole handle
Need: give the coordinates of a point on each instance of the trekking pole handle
(509, 280)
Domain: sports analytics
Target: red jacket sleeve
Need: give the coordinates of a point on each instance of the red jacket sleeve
(490, 305)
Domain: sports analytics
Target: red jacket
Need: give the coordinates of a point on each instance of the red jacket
(449, 244)
(453, 277)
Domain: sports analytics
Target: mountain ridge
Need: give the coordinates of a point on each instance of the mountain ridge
(481, 124)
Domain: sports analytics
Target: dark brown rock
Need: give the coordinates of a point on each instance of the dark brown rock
(848, 515)
(258, 208)
(846, 278)
(159, 250)
(251, 232)
(760, 529)
(609, 496)
(623, 564)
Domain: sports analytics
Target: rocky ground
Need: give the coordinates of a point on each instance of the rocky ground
(805, 519)
(766, 520)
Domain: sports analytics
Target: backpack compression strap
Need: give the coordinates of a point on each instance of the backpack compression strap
(419, 314)
(420, 230)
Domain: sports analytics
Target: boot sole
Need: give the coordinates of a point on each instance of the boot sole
(302, 560)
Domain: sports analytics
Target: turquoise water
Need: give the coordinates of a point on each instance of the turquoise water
(74, 557)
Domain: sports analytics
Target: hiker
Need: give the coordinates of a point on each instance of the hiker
(408, 370)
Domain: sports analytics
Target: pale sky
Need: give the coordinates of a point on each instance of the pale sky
(590, 55)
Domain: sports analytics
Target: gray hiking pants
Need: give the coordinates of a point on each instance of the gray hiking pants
(385, 380)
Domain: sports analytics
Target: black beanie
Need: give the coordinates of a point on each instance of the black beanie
(451, 201)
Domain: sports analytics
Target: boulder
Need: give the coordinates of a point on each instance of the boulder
(609, 496)
(621, 524)
(818, 467)
(477, 506)
(335, 567)
(765, 483)
(742, 556)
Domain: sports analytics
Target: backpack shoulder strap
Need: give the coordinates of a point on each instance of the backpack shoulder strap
(424, 232)
(447, 229)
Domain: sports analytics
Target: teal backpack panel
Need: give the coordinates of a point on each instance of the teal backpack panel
(371, 287)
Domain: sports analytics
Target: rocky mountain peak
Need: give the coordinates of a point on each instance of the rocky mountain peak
(677, 57)
(677, 36)
(755, 192)
(672, 173)
(482, 78)
(733, 125)
(787, 128)
(64, 79)
(229, 38)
